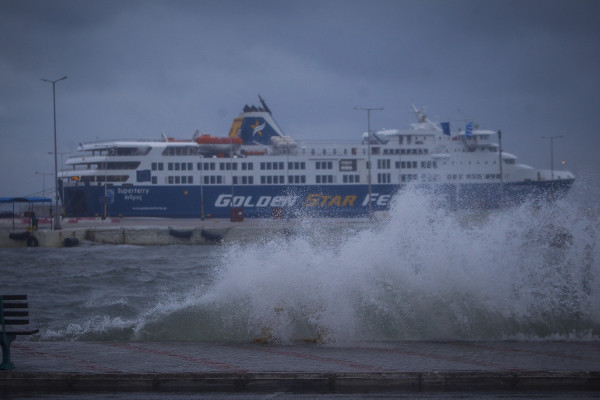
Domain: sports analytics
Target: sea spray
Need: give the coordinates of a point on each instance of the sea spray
(423, 273)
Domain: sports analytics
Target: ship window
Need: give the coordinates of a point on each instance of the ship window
(177, 180)
(234, 180)
(177, 166)
(154, 180)
(183, 166)
(190, 166)
(170, 166)
(170, 180)
(383, 164)
(184, 179)
(154, 166)
(383, 178)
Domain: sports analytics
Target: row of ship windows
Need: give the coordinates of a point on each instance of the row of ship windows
(506, 161)
(404, 151)
(244, 180)
(291, 179)
(268, 166)
(386, 164)
(454, 177)
(244, 166)
(264, 180)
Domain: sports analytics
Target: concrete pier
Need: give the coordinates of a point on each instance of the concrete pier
(157, 231)
(359, 368)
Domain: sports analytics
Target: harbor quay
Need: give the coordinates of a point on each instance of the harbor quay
(420, 366)
(160, 231)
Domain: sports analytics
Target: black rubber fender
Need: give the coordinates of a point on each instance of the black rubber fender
(32, 241)
(70, 242)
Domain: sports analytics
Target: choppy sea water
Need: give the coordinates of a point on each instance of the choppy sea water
(419, 273)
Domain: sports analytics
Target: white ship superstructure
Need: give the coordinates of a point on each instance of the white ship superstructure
(259, 170)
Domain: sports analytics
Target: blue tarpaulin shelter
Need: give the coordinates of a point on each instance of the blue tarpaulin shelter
(31, 199)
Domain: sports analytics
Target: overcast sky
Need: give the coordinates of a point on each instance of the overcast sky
(137, 69)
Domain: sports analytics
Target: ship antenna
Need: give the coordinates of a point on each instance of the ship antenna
(264, 104)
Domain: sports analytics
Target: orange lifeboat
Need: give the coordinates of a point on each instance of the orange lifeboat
(213, 144)
(208, 139)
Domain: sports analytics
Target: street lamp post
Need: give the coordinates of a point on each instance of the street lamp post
(552, 162)
(62, 170)
(368, 110)
(57, 219)
(500, 161)
(552, 152)
(43, 181)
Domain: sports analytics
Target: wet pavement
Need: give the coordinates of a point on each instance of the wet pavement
(365, 367)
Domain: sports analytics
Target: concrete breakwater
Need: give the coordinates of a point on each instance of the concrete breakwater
(161, 231)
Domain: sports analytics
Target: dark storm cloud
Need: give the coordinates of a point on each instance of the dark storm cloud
(140, 68)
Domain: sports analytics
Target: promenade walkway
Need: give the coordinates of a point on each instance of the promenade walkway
(360, 368)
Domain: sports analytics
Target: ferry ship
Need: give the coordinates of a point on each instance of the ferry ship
(257, 171)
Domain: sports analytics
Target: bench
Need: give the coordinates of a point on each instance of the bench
(14, 315)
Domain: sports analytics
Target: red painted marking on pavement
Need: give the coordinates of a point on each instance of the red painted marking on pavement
(442, 358)
(206, 361)
(74, 360)
(319, 358)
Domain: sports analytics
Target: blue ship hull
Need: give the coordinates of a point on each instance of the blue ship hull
(267, 201)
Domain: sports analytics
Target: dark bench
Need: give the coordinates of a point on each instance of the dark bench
(14, 315)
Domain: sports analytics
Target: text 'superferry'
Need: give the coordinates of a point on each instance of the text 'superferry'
(258, 170)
